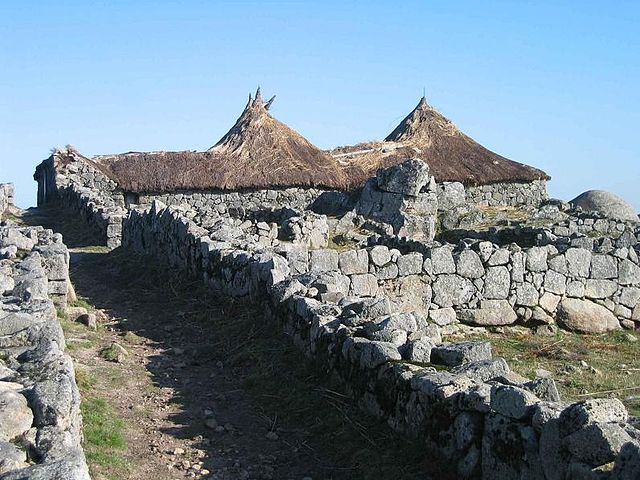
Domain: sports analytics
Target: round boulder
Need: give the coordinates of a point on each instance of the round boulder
(585, 316)
(606, 203)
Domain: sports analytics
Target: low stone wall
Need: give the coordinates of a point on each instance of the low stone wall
(40, 421)
(66, 169)
(477, 418)
(6, 197)
(509, 194)
(241, 204)
(106, 221)
(588, 284)
(594, 225)
(67, 179)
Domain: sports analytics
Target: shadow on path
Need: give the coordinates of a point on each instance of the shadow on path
(210, 357)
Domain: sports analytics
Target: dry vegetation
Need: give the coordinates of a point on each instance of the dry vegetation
(584, 366)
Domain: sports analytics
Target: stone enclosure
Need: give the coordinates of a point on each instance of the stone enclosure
(367, 291)
(477, 417)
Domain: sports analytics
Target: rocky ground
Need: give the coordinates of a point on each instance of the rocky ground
(177, 383)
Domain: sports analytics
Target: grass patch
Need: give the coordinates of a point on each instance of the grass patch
(85, 380)
(612, 367)
(103, 429)
(132, 338)
(113, 353)
(104, 441)
(61, 314)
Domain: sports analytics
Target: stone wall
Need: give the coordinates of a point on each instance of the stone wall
(509, 194)
(588, 284)
(477, 418)
(594, 225)
(40, 421)
(244, 203)
(402, 200)
(7, 199)
(67, 179)
(106, 221)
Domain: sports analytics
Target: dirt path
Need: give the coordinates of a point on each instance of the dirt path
(207, 389)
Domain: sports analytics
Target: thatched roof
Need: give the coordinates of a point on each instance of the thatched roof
(453, 156)
(258, 152)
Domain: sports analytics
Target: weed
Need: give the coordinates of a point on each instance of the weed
(83, 303)
(132, 338)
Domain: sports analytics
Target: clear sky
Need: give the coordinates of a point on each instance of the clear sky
(552, 84)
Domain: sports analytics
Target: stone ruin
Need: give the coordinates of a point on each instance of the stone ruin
(366, 283)
(403, 198)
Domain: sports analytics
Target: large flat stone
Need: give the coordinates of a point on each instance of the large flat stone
(585, 316)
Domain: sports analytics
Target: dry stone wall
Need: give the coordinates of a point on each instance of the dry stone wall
(509, 194)
(244, 203)
(478, 419)
(77, 185)
(40, 421)
(589, 284)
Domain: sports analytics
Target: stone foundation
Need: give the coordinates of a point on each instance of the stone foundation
(244, 203)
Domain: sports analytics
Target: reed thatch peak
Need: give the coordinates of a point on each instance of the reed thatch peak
(453, 156)
(422, 126)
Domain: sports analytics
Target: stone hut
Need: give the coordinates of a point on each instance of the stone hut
(262, 165)
(489, 178)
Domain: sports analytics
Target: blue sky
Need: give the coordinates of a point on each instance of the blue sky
(551, 84)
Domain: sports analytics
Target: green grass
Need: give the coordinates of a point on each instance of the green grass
(104, 441)
(61, 314)
(613, 365)
(102, 427)
(111, 353)
(85, 380)
(132, 338)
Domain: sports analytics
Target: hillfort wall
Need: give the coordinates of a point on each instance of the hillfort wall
(509, 194)
(373, 312)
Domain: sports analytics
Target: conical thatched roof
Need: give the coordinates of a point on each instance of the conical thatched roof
(278, 155)
(453, 156)
(257, 152)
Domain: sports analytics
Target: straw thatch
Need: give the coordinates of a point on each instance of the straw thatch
(452, 155)
(258, 152)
